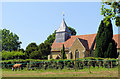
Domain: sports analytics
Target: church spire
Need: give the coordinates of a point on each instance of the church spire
(63, 27)
(62, 33)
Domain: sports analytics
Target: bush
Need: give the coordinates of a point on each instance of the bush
(12, 55)
(60, 64)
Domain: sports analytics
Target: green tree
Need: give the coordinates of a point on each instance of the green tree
(73, 31)
(22, 50)
(44, 49)
(63, 55)
(12, 55)
(18, 54)
(35, 55)
(0, 40)
(50, 38)
(111, 9)
(112, 50)
(105, 45)
(10, 41)
(30, 49)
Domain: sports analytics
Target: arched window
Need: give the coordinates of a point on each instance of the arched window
(77, 54)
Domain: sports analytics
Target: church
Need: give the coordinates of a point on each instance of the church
(76, 46)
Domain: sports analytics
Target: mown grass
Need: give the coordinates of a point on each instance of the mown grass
(95, 72)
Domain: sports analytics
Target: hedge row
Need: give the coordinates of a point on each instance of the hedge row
(60, 64)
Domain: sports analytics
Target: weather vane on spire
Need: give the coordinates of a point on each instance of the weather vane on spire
(63, 15)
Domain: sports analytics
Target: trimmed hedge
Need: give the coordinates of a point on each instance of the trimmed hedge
(62, 63)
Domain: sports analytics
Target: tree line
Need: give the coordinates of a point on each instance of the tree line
(11, 46)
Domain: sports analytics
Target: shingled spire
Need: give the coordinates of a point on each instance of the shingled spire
(63, 27)
(63, 33)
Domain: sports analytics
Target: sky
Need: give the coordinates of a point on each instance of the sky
(35, 21)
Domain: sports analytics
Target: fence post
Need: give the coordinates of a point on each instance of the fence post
(27, 66)
(89, 66)
(99, 63)
(108, 63)
(111, 63)
(104, 63)
(75, 61)
(39, 66)
(83, 63)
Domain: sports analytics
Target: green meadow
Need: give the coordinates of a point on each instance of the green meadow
(96, 72)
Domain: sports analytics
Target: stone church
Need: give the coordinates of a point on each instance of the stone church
(78, 46)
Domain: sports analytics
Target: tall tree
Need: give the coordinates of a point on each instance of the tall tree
(105, 45)
(50, 38)
(10, 41)
(31, 49)
(0, 40)
(73, 31)
(111, 9)
(63, 55)
(45, 49)
(112, 50)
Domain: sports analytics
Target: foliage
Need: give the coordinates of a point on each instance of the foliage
(44, 49)
(12, 55)
(10, 41)
(63, 55)
(112, 50)
(35, 55)
(111, 9)
(60, 64)
(0, 40)
(73, 31)
(50, 38)
(31, 50)
(22, 50)
(37, 52)
(105, 45)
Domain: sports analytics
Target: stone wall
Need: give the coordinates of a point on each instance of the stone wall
(54, 54)
(78, 46)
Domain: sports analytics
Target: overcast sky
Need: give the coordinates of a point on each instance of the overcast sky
(35, 21)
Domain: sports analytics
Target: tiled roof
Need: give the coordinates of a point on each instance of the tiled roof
(84, 43)
(70, 41)
(84, 39)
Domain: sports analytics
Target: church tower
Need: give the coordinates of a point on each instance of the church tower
(63, 33)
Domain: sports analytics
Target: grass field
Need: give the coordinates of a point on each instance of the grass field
(95, 72)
